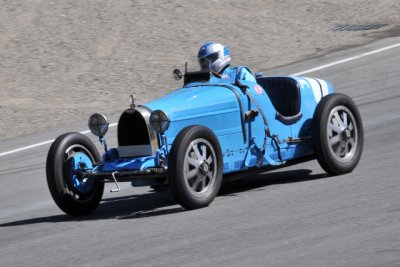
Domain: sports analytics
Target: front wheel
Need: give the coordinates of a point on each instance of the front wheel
(69, 156)
(195, 167)
(338, 134)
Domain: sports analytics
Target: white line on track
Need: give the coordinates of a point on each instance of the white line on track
(41, 144)
(346, 60)
(296, 74)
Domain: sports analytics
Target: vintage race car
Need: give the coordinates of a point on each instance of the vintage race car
(193, 137)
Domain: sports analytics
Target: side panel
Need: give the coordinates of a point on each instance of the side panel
(215, 107)
(256, 128)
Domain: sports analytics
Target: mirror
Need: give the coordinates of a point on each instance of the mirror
(177, 74)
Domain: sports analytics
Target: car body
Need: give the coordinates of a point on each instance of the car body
(210, 127)
(222, 108)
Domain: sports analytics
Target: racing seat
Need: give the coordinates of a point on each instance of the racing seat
(284, 94)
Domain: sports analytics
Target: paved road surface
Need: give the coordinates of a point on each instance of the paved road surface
(295, 216)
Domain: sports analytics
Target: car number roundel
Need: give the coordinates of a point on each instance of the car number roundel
(258, 89)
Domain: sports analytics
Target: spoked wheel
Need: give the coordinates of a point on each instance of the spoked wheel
(337, 134)
(195, 172)
(69, 157)
(199, 167)
(342, 133)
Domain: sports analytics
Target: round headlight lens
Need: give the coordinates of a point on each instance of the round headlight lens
(159, 121)
(98, 124)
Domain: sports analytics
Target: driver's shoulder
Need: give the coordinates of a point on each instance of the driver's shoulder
(244, 73)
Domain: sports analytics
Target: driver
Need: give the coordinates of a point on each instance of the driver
(215, 57)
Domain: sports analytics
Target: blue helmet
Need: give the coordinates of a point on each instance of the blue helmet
(214, 57)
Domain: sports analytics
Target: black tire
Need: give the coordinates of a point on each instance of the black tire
(75, 200)
(338, 135)
(195, 174)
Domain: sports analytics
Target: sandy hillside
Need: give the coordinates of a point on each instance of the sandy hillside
(62, 60)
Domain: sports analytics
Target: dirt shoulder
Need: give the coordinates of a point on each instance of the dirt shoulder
(62, 60)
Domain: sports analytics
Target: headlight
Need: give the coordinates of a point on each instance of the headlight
(98, 124)
(159, 121)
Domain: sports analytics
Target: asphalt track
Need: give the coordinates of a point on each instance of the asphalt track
(296, 216)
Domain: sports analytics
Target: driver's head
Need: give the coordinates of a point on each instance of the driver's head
(214, 57)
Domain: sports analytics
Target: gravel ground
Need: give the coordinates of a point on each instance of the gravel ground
(62, 60)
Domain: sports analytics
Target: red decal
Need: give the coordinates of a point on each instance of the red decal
(258, 89)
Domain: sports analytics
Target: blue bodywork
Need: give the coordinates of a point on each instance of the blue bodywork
(261, 123)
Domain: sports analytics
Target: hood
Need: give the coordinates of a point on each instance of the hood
(195, 100)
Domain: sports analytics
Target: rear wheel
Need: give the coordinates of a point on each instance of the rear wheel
(195, 167)
(337, 134)
(70, 155)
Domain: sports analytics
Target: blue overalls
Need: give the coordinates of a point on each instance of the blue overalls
(244, 74)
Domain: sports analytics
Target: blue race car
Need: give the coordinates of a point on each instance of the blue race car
(210, 128)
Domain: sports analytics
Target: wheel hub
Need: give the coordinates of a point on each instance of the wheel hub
(79, 161)
(204, 168)
(346, 134)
